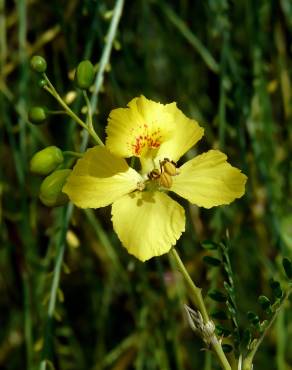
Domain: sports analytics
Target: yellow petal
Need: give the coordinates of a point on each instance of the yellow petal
(148, 223)
(99, 178)
(139, 129)
(208, 180)
(186, 134)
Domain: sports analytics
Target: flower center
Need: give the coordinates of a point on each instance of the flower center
(145, 140)
(164, 174)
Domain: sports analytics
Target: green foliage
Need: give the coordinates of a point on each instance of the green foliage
(216, 295)
(227, 348)
(276, 288)
(265, 303)
(219, 315)
(287, 264)
(253, 318)
(246, 339)
(212, 261)
(208, 244)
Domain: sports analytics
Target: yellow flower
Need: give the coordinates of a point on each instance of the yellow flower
(147, 221)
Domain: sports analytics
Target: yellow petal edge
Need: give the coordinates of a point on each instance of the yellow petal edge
(186, 134)
(209, 180)
(148, 223)
(151, 129)
(99, 178)
(139, 129)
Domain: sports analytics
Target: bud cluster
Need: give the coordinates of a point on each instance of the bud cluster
(49, 161)
(45, 163)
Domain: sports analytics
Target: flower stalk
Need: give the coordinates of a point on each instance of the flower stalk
(89, 113)
(89, 128)
(197, 299)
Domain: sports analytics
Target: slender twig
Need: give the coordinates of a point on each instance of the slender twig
(72, 154)
(55, 284)
(3, 40)
(197, 298)
(69, 209)
(281, 341)
(104, 61)
(22, 147)
(50, 88)
(59, 260)
(22, 112)
(89, 111)
(190, 37)
(56, 112)
(196, 292)
(247, 363)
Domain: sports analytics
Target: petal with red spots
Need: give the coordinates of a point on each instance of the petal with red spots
(140, 129)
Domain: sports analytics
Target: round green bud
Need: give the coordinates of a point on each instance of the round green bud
(42, 83)
(84, 75)
(38, 64)
(45, 161)
(37, 115)
(51, 194)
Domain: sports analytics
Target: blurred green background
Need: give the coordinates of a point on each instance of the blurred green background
(228, 65)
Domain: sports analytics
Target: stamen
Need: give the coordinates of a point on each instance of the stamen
(140, 185)
(164, 175)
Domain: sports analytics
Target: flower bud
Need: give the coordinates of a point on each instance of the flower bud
(51, 194)
(37, 115)
(42, 83)
(46, 160)
(84, 75)
(38, 64)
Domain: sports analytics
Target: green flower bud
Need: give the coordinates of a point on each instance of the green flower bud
(51, 189)
(42, 83)
(38, 64)
(46, 160)
(37, 115)
(84, 75)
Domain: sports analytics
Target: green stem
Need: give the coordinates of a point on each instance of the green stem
(104, 61)
(72, 154)
(190, 37)
(281, 341)
(105, 58)
(66, 216)
(50, 88)
(56, 112)
(247, 363)
(197, 298)
(28, 244)
(3, 39)
(196, 294)
(89, 111)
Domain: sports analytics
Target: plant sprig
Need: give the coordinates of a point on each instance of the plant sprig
(248, 341)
